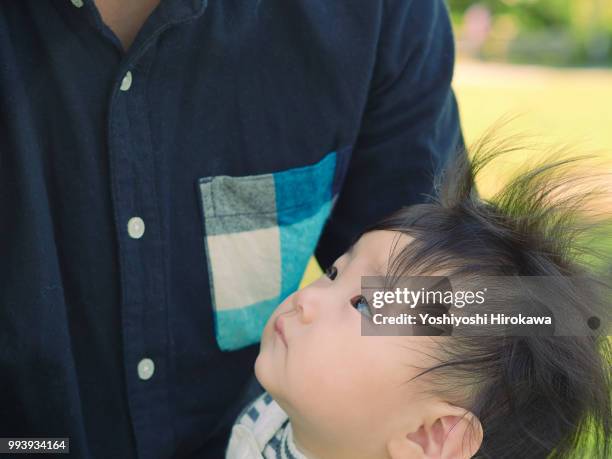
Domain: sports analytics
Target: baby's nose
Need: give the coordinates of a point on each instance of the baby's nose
(306, 302)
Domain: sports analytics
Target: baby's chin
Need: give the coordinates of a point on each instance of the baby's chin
(259, 372)
(266, 375)
(264, 369)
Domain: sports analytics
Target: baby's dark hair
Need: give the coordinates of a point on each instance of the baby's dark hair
(535, 396)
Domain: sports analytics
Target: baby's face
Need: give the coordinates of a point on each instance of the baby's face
(334, 382)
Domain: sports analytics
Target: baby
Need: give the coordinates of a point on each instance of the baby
(332, 392)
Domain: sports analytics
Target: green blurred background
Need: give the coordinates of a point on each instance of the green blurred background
(545, 63)
(545, 32)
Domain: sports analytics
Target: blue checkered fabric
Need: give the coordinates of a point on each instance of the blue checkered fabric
(260, 232)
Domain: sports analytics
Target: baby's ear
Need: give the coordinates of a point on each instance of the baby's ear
(455, 435)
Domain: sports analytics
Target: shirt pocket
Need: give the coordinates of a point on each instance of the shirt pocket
(259, 233)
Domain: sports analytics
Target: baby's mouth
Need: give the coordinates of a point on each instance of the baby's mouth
(279, 328)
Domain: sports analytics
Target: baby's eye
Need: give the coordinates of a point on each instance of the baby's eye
(361, 304)
(331, 272)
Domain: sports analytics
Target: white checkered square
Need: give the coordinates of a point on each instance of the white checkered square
(245, 267)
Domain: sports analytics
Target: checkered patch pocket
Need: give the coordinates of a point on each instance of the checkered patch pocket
(260, 231)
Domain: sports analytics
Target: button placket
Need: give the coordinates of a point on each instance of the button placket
(143, 285)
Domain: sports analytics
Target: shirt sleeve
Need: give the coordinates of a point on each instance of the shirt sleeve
(410, 125)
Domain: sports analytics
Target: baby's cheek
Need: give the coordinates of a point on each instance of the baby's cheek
(330, 400)
(324, 377)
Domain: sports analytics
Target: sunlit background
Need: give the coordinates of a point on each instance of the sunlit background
(547, 64)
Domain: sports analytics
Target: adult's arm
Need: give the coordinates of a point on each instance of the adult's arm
(410, 125)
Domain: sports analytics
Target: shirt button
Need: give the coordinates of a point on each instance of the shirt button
(146, 367)
(77, 3)
(126, 83)
(136, 227)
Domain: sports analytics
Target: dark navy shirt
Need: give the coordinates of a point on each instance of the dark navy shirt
(156, 204)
